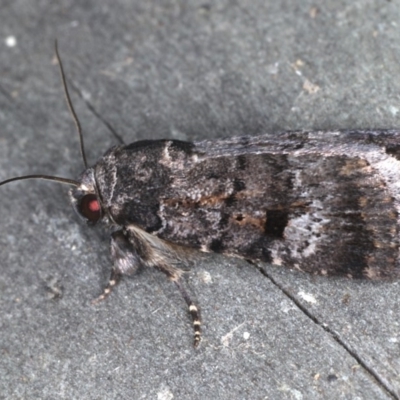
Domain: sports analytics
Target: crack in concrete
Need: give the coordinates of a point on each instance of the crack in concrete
(381, 383)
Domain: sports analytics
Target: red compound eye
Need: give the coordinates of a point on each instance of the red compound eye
(90, 208)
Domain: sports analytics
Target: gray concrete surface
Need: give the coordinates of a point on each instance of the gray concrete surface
(187, 70)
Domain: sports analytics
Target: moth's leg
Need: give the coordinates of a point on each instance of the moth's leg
(115, 278)
(125, 259)
(194, 312)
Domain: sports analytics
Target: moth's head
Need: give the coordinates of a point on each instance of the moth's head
(85, 198)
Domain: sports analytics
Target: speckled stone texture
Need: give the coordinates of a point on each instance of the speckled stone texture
(186, 70)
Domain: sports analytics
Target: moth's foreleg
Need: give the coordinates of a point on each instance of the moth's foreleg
(132, 248)
(194, 312)
(125, 262)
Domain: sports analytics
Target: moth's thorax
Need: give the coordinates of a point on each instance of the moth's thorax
(130, 180)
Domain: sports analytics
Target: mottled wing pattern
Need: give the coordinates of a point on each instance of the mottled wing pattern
(325, 203)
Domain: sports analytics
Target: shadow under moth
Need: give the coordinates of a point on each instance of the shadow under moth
(322, 202)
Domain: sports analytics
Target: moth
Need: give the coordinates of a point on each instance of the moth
(323, 202)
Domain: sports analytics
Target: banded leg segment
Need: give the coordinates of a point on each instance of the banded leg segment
(194, 312)
(125, 259)
(113, 281)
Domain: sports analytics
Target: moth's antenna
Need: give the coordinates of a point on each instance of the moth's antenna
(70, 106)
(46, 177)
(65, 181)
